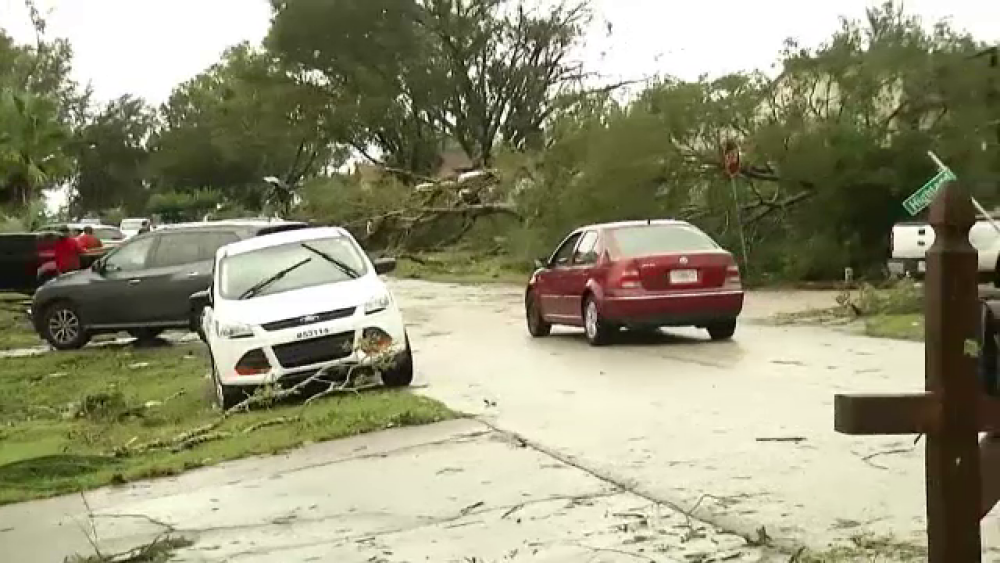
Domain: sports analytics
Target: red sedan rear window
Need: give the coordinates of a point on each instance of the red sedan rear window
(655, 240)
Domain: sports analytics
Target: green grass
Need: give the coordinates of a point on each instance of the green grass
(895, 312)
(866, 548)
(900, 327)
(62, 415)
(462, 267)
(15, 327)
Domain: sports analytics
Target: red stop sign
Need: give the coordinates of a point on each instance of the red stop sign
(732, 161)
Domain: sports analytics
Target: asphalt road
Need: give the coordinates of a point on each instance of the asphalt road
(743, 430)
(739, 434)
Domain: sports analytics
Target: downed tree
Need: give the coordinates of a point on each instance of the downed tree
(436, 214)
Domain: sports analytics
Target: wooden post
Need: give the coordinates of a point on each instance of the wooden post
(950, 352)
(953, 409)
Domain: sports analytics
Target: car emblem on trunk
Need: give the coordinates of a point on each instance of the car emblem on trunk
(309, 319)
(684, 260)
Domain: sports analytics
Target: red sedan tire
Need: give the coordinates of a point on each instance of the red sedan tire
(598, 331)
(538, 327)
(722, 330)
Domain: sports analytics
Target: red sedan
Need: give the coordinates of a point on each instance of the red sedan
(636, 274)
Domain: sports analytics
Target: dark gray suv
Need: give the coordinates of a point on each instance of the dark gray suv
(143, 286)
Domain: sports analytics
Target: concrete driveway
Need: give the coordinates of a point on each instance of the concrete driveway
(455, 491)
(742, 429)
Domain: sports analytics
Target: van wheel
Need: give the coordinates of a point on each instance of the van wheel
(401, 374)
(63, 328)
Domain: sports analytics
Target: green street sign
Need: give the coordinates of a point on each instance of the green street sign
(925, 195)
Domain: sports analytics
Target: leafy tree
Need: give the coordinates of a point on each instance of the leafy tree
(410, 74)
(239, 122)
(831, 147)
(32, 147)
(39, 106)
(180, 207)
(112, 158)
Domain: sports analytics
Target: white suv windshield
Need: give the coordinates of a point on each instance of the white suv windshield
(291, 266)
(131, 224)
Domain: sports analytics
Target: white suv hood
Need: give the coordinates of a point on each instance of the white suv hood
(299, 302)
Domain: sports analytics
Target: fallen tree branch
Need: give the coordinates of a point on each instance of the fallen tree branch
(271, 422)
(868, 458)
(482, 208)
(381, 360)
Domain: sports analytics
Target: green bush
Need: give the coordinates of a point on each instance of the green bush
(903, 298)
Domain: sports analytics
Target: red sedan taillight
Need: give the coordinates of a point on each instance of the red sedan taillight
(629, 279)
(625, 275)
(733, 280)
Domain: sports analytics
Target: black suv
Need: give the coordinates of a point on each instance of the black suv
(143, 286)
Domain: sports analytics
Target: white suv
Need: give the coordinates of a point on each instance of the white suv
(287, 306)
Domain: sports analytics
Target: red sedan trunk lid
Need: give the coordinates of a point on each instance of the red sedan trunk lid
(680, 271)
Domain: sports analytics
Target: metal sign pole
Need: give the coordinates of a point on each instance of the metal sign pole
(731, 163)
(975, 203)
(739, 221)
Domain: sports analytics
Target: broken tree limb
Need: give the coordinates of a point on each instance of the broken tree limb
(482, 208)
(381, 359)
(271, 422)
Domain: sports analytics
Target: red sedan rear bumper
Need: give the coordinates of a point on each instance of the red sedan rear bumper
(694, 308)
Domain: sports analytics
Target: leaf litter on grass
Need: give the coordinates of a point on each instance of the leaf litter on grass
(62, 434)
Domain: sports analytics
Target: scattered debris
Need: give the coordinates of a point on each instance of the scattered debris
(512, 510)
(868, 458)
(160, 549)
(795, 439)
(468, 509)
(762, 538)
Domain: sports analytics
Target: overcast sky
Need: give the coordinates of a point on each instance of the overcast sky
(145, 47)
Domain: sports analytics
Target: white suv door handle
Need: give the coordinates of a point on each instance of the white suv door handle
(134, 281)
(192, 274)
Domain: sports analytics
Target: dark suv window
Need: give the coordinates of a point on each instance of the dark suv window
(180, 248)
(212, 242)
(176, 249)
(132, 256)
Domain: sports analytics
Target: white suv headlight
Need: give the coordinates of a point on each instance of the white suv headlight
(377, 303)
(233, 330)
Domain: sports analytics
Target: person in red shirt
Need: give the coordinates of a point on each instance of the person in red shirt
(67, 251)
(87, 240)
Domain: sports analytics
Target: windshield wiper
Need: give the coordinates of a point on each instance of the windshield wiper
(348, 271)
(261, 285)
